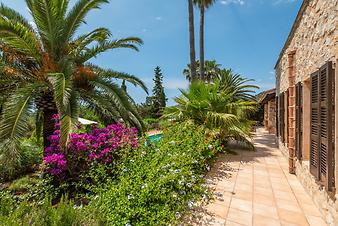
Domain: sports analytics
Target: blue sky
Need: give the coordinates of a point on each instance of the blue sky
(245, 35)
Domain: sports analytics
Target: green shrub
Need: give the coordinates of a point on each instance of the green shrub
(44, 214)
(159, 182)
(151, 123)
(30, 158)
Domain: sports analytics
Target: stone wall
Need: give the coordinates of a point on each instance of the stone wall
(314, 41)
(327, 205)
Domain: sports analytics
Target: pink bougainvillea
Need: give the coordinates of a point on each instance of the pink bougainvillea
(101, 145)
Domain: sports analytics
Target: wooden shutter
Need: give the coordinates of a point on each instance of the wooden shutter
(299, 120)
(326, 141)
(322, 121)
(276, 116)
(315, 122)
(286, 138)
(282, 117)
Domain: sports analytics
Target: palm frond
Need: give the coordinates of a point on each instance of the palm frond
(20, 38)
(128, 43)
(17, 110)
(75, 17)
(111, 74)
(62, 88)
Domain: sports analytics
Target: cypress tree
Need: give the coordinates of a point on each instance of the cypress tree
(159, 98)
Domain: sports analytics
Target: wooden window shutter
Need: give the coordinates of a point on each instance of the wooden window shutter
(326, 138)
(299, 120)
(282, 117)
(315, 122)
(322, 121)
(287, 117)
(276, 116)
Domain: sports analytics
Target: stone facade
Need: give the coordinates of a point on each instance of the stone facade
(268, 102)
(313, 41)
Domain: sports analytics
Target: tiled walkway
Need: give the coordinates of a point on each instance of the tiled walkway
(255, 188)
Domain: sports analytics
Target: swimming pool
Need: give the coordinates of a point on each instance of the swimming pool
(155, 137)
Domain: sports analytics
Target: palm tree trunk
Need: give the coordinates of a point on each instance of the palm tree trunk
(202, 8)
(192, 41)
(48, 125)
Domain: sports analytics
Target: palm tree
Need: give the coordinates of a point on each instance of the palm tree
(192, 40)
(212, 70)
(215, 109)
(203, 4)
(50, 70)
(237, 84)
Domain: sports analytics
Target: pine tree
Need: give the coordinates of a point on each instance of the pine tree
(159, 98)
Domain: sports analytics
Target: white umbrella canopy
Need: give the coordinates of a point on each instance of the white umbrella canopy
(86, 121)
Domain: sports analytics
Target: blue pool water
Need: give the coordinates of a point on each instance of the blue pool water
(155, 138)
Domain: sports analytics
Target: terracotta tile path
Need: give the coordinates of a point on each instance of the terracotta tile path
(255, 188)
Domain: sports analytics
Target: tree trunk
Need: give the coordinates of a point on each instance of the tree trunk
(192, 41)
(202, 64)
(48, 125)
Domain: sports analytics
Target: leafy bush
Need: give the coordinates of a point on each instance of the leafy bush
(30, 157)
(159, 182)
(151, 123)
(44, 214)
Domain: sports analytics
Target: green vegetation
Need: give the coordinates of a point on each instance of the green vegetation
(155, 185)
(107, 174)
(222, 107)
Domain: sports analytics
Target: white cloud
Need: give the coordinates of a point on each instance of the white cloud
(176, 84)
(159, 18)
(227, 2)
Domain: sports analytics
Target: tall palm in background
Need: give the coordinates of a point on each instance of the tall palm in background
(192, 68)
(211, 71)
(203, 5)
(44, 69)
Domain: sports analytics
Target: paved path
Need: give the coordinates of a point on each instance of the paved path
(255, 188)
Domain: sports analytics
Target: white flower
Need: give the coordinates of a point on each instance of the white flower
(143, 153)
(191, 204)
(78, 207)
(127, 224)
(189, 185)
(177, 171)
(166, 166)
(208, 168)
(210, 146)
(193, 177)
(172, 142)
(177, 215)
(180, 182)
(130, 196)
(157, 149)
